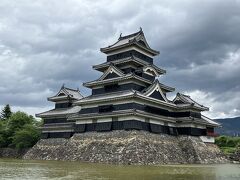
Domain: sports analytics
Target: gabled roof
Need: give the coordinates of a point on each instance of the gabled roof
(66, 94)
(138, 39)
(149, 69)
(182, 100)
(157, 84)
(138, 61)
(155, 87)
(111, 69)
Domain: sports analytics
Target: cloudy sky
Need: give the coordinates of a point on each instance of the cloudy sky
(44, 44)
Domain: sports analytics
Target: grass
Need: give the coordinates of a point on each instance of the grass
(228, 150)
(228, 144)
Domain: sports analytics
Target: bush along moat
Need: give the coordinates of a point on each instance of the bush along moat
(230, 146)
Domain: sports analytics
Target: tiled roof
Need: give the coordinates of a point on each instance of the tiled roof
(127, 60)
(187, 100)
(67, 93)
(117, 79)
(137, 38)
(106, 96)
(60, 112)
(74, 93)
(210, 121)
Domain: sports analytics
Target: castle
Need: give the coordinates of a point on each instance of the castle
(127, 96)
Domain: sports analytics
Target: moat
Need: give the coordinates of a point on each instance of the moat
(25, 169)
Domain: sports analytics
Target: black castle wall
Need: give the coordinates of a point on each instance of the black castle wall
(116, 87)
(138, 73)
(127, 125)
(63, 105)
(146, 108)
(129, 54)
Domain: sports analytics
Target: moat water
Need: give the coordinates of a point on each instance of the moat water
(23, 169)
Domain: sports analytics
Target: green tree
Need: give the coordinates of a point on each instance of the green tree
(26, 137)
(19, 131)
(221, 141)
(6, 112)
(17, 121)
(231, 142)
(2, 134)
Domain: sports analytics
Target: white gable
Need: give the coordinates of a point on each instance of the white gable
(111, 69)
(153, 88)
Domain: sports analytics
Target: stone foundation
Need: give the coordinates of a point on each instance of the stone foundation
(235, 157)
(127, 147)
(12, 153)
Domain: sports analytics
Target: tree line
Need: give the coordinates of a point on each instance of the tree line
(18, 129)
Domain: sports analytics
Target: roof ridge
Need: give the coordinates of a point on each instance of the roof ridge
(110, 93)
(183, 94)
(77, 90)
(130, 35)
(194, 102)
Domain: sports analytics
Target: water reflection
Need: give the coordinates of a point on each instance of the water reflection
(21, 169)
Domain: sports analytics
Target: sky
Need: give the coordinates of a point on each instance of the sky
(44, 44)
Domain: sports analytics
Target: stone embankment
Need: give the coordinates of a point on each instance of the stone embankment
(12, 153)
(235, 157)
(127, 147)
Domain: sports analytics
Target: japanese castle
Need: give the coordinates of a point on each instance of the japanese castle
(128, 96)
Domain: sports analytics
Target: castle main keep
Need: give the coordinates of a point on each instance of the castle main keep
(129, 96)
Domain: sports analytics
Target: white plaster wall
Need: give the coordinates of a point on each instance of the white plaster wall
(87, 121)
(207, 139)
(100, 120)
(153, 121)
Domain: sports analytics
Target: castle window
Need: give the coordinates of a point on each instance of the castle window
(63, 105)
(105, 108)
(112, 87)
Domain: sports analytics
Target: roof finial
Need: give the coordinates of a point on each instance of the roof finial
(77, 88)
(63, 86)
(140, 29)
(120, 35)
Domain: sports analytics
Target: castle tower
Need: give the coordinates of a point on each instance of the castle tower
(128, 96)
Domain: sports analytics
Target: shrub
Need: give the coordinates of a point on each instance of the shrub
(221, 141)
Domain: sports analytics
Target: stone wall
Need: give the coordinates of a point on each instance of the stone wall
(235, 157)
(12, 153)
(127, 147)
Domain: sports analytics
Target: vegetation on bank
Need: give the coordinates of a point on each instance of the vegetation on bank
(18, 129)
(228, 144)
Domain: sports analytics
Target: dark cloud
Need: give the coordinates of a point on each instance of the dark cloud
(44, 44)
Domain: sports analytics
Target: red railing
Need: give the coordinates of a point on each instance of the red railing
(211, 134)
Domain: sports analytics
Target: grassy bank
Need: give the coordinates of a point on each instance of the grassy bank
(228, 144)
